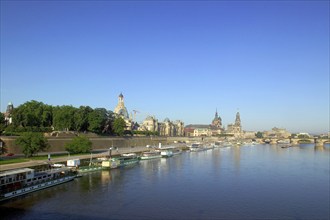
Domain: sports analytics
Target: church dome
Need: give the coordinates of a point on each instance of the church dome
(121, 95)
(123, 112)
(149, 118)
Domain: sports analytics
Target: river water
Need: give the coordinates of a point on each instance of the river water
(247, 182)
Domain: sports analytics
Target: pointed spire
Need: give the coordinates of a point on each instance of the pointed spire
(238, 119)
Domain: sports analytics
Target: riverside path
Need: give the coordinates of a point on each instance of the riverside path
(106, 152)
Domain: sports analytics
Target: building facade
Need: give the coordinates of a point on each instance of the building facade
(277, 133)
(202, 132)
(216, 128)
(165, 128)
(150, 124)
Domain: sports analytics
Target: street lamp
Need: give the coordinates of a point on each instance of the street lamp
(110, 149)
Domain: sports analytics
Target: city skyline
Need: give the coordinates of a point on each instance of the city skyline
(178, 60)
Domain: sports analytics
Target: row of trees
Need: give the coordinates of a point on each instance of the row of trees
(33, 142)
(37, 116)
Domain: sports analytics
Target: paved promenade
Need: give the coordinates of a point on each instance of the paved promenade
(33, 163)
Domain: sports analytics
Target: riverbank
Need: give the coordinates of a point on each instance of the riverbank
(63, 159)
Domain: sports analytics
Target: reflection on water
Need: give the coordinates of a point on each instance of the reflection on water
(261, 181)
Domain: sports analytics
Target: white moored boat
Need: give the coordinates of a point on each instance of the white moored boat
(150, 155)
(18, 182)
(176, 151)
(122, 161)
(166, 152)
(196, 147)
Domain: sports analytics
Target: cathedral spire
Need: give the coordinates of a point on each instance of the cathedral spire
(238, 119)
(217, 120)
(121, 98)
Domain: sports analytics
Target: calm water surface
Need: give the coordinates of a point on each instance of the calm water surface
(248, 182)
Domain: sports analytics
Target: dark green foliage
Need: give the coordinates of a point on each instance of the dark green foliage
(259, 134)
(293, 136)
(128, 133)
(38, 117)
(32, 143)
(81, 118)
(2, 122)
(119, 126)
(79, 144)
(97, 119)
(63, 117)
(2, 118)
(47, 116)
(108, 128)
(31, 114)
(303, 136)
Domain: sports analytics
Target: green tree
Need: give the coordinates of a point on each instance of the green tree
(2, 118)
(108, 129)
(47, 116)
(97, 120)
(79, 144)
(259, 134)
(119, 126)
(32, 143)
(24, 115)
(81, 118)
(32, 114)
(63, 117)
(2, 122)
(303, 136)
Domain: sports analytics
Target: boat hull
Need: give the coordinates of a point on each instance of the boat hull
(35, 188)
(166, 154)
(177, 152)
(119, 162)
(89, 169)
(150, 157)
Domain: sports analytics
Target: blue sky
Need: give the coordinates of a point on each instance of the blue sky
(176, 59)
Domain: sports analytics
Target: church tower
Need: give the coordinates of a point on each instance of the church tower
(10, 108)
(121, 99)
(238, 120)
(217, 122)
(236, 128)
(7, 114)
(238, 124)
(120, 108)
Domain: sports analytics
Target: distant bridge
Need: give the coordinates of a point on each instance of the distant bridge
(296, 141)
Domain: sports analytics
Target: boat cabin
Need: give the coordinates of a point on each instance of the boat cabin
(18, 175)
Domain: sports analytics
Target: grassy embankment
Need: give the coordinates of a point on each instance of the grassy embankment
(24, 159)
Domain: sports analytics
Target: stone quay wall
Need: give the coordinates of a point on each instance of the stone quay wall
(57, 144)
